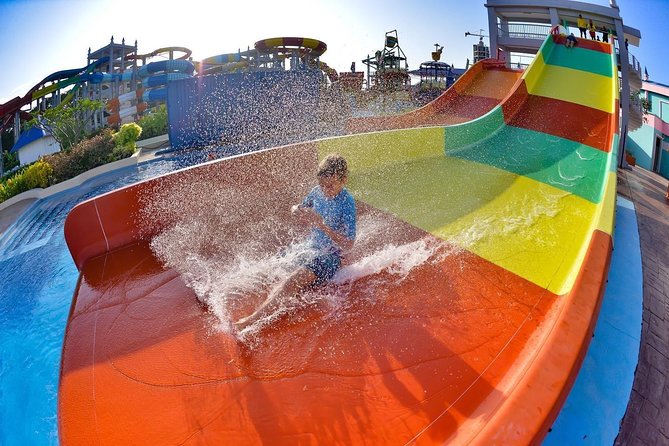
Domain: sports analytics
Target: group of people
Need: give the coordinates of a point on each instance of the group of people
(590, 28)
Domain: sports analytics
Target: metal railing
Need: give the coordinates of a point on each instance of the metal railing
(634, 63)
(524, 31)
(520, 60)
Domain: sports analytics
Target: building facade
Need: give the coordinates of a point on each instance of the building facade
(33, 144)
(649, 144)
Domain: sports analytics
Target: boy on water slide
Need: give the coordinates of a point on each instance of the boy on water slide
(329, 209)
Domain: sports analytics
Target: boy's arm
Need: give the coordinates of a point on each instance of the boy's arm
(340, 239)
(313, 218)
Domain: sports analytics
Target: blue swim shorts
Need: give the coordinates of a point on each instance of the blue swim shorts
(324, 266)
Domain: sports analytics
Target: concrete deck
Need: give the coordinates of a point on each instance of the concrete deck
(646, 421)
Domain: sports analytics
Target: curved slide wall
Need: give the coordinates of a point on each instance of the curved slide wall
(475, 93)
(477, 345)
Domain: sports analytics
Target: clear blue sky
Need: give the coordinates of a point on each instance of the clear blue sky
(40, 37)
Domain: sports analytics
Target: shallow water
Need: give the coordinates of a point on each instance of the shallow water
(38, 282)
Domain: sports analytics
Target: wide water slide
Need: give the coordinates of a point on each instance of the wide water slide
(461, 316)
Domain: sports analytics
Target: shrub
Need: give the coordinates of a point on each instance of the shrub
(10, 160)
(33, 176)
(86, 155)
(127, 135)
(120, 152)
(154, 123)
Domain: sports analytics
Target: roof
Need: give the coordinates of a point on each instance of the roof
(655, 87)
(28, 136)
(120, 49)
(427, 69)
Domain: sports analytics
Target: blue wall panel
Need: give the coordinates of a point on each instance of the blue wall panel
(243, 107)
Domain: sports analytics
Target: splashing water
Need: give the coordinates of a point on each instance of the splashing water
(232, 284)
(397, 260)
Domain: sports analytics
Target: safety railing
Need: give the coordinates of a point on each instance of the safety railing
(523, 31)
(520, 61)
(634, 63)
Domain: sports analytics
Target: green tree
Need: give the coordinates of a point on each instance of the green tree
(7, 160)
(68, 122)
(637, 97)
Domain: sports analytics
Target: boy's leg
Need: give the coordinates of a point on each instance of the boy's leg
(297, 282)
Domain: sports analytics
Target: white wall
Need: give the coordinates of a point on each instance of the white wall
(43, 146)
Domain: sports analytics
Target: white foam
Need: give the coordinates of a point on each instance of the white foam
(224, 279)
(398, 260)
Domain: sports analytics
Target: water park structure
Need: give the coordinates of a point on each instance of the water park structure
(130, 83)
(464, 312)
(388, 69)
(435, 76)
(113, 76)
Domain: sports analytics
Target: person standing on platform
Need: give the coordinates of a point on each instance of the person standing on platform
(580, 22)
(592, 29)
(605, 34)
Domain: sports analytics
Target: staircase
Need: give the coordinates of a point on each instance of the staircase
(636, 114)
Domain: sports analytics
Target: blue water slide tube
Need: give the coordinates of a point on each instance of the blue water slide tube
(156, 94)
(94, 78)
(162, 79)
(125, 76)
(167, 66)
(222, 58)
(64, 74)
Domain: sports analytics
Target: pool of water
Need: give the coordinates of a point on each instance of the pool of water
(37, 282)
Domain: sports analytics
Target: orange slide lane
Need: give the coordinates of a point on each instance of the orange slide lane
(474, 94)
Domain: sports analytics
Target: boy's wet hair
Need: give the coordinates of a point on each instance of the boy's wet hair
(333, 164)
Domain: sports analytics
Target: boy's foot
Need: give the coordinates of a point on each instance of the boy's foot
(241, 324)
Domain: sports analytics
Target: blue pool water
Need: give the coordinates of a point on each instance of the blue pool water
(37, 282)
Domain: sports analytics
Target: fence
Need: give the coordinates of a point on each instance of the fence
(524, 31)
